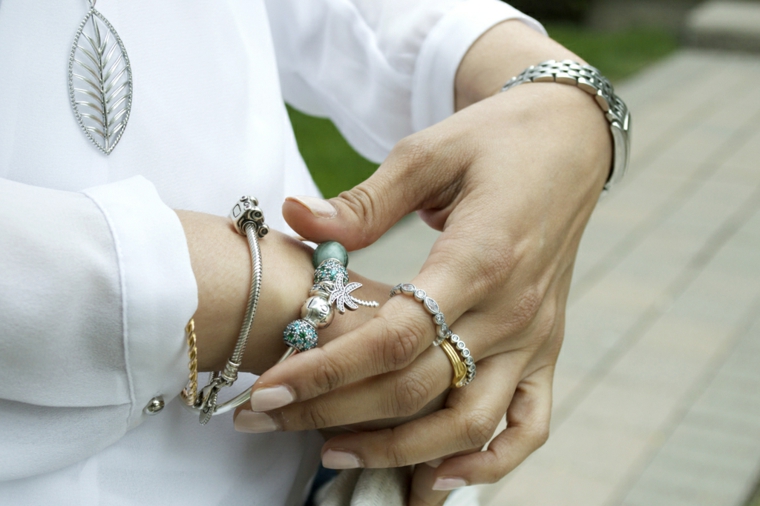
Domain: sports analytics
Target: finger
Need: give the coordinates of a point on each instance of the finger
(400, 394)
(448, 431)
(421, 492)
(527, 430)
(390, 341)
(412, 177)
(394, 395)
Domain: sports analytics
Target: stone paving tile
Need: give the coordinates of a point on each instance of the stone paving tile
(747, 156)
(567, 488)
(713, 454)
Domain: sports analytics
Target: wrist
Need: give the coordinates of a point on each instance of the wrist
(500, 54)
(555, 133)
(221, 263)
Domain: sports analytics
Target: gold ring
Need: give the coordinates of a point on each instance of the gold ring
(460, 369)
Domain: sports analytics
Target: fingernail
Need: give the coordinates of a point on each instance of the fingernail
(434, 463)
(449, 483)
(318, 207)
(250, 421)
(265, 399)
(334, 459)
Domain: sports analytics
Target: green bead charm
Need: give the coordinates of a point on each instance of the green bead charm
(327, 250)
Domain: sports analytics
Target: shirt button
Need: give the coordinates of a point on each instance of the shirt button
(155, 405)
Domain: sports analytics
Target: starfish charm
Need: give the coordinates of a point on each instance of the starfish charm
(341, 296)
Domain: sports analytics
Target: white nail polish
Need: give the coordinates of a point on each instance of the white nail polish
(256, 423)
(265, 399)
(319, 207)
(334, 459)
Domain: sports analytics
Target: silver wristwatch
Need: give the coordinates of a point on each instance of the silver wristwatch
(595, 84)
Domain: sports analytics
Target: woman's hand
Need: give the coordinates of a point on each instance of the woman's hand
(511, 181)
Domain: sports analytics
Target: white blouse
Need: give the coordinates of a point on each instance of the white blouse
(95, 278)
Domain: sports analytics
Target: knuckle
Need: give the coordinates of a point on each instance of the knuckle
(526, 309)
(404, 339)
(313, 417)
(360, 200)
(416, 152)
(363, 202)
(395, 453)
(327, 375)
(493, 475)
(410, 396)
(493, 267)
(541, 434)
(478, 427)
(501, 262)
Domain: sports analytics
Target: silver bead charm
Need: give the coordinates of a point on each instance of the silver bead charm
(246, 211)
(317, 311)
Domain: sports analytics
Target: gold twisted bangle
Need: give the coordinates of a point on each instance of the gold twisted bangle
(460, 369)
(190, 392)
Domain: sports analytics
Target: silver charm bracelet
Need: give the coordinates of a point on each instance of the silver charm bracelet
(248, 220)
(331, 287)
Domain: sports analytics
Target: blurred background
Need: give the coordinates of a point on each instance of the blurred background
(657, 390)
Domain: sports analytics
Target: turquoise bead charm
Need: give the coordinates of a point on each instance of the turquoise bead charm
(300, 335)
(328, 250)
(329, 270)
(331, 288)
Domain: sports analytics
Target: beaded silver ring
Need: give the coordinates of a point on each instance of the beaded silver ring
(442, 330)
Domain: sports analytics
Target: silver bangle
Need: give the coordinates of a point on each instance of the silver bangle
(590, 80)
(442, 329)
(248, 220)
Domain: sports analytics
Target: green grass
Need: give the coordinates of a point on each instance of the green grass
(617, 55)
(336, 167)
(333, 164)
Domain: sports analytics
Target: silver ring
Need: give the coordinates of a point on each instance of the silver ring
(432, 307)
(442, 329)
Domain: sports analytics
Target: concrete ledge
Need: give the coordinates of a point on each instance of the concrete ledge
(725, 25)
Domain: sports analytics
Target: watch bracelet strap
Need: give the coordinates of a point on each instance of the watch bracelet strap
(590, 80)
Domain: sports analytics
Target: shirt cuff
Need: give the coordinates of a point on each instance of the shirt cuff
(443, 50)
(158, 289)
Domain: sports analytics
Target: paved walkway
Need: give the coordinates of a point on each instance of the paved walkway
(657, 391)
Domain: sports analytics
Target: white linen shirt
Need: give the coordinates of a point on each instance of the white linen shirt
(95, 278)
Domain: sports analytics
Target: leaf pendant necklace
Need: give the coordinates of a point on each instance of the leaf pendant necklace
(100, 81)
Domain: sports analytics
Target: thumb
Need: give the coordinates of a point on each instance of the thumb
(358, 217)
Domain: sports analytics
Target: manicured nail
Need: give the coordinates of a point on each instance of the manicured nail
(250, 421)
(434, 463)
(449, 483)
(334, 459)
(265, 399)
(318, 207)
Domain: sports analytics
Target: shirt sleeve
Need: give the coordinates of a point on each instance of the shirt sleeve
(96, 290)
(380, 70)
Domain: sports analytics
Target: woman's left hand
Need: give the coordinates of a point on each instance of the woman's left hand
(511, 181)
